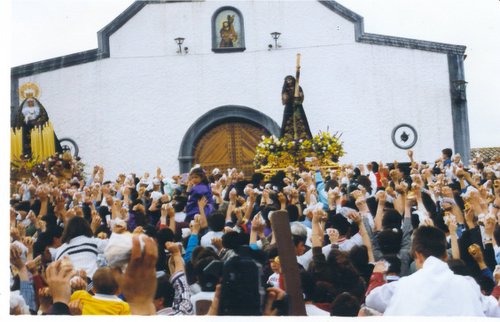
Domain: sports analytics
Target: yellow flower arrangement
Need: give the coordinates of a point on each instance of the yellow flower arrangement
(278, 152)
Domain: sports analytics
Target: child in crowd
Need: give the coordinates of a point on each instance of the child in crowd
(198, 188)
(104, 301)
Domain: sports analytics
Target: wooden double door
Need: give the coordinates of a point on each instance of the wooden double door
(229, 145)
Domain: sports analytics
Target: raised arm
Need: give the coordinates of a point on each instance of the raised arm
(356, 217)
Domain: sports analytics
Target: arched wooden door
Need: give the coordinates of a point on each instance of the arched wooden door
(229, 145)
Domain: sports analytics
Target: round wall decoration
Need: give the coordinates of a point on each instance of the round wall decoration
(404, 136)
(68, 144)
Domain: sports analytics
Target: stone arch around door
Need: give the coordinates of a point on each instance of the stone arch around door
(214, 118)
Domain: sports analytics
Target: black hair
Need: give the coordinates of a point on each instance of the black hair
(217, 221)
(459, 267)
(307, 281)
(165, 291)
(162, 236)
(55, 232)
(293, 212)
(366, 183)
(429, 241)
(372, 204)
(180, 203)
(392, 219)
(256, 179)
(233, 240)
(345, 305)
(76, 226)
(207, 281)
(448, 152)
(394, 264)
(324, 292)
(200, 173)
(297, 239)
(375, 166)
(340, 223)
(150, 231)
(42, 242)
(359, 257)
(390, 241)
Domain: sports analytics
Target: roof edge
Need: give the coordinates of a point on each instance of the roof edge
(376, 39)
(55, 63)
(103, 35)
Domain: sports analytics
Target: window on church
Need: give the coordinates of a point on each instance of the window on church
(227, 31)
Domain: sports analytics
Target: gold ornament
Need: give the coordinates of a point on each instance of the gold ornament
(29, 90)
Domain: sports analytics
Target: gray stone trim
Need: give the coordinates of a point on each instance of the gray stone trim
(375, 39)
(461, 136)
(14, 98)
(55, 63)
(214, 117)
(103, 50)
(104, 34)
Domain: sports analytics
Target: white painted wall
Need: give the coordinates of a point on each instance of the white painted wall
(129, 112)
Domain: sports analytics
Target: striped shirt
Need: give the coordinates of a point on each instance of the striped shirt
(83, 251)
(182, 299)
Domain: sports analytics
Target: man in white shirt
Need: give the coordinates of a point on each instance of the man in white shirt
(433, 290)
(216, 223)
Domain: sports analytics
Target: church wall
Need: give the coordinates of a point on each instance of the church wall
(130, 112)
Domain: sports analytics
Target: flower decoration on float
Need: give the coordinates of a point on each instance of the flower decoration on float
(61, 165)
(277, 153)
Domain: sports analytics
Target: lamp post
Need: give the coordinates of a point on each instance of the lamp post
(179, 41)
(275, 36)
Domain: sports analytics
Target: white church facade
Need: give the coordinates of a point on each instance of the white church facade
(144, 99)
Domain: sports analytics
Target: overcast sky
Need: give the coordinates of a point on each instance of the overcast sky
(42, 29)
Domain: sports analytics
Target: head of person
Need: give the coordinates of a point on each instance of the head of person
(345, 305)
(104, 282)
(76, 226)
(392, 219)
(164, 296)
(206, 281)
(340, 223)
(447, 154)
(217, 221)
(299, 242)
(289, 81)
(389, 241)
(197, 176)
(428, 241)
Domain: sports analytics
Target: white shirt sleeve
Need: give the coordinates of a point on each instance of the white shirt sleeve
(491, 307)
(101, 244)
(379, 297)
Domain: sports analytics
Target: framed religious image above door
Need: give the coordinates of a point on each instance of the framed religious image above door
(229, 145)
(228, 33)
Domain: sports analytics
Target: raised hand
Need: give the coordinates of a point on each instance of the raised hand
(333, 235)
(216, 242)
(75, 307)
(141, 267)
(58, 277)
(202, 202)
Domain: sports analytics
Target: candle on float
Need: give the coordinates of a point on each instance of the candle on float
(51, 140)
(19, 136)
(40, 144)
(13, 145)
(45, 141)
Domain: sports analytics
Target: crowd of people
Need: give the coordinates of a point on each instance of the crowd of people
(370, 239)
